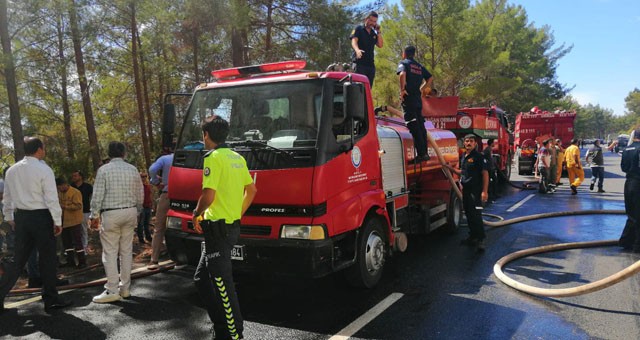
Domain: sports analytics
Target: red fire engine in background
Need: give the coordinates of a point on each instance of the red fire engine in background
(338, 187)
(484, 122)
(535, 124)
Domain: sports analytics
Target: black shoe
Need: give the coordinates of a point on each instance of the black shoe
(601, 190)
(58, 304)
(591, 186)
(574, 190)
(34, 282)
(480, 246)
(149, 239)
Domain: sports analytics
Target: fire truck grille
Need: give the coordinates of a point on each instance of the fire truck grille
(266, 159)
(256, 230)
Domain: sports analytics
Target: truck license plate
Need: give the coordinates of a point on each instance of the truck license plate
(237, 253)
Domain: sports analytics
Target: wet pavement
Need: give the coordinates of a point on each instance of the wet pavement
(448, 291)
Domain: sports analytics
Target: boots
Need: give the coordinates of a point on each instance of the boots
(71, 259)
(82, 259)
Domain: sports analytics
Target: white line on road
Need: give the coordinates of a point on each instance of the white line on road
(519, 204)
(363, 320)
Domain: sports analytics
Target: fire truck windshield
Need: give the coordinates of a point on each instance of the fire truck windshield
(282, 115)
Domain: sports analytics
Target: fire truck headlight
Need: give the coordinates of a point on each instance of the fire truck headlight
(303, 232)
(174, 223)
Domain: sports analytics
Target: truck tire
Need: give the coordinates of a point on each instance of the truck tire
(454, 213)
(506, 174)
(371, 254)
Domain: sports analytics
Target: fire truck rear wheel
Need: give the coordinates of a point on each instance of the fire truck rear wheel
(371, 255)
(506, 174)
(454, 213)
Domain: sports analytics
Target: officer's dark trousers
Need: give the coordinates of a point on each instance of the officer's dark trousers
(472, 204)
(368, 71)
(214, 278)
(631, 234)
(415, 124)
(34, 229)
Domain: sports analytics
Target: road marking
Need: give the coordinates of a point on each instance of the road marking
(38, 298)
(519, 204)
(363, 320)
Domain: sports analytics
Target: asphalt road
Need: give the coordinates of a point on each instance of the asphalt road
(438, 289)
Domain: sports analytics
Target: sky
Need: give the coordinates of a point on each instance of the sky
(604, 64)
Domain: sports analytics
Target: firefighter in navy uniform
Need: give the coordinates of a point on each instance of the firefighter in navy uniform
(474, 171)
(630, 164)
(227, 192)
(412, 75)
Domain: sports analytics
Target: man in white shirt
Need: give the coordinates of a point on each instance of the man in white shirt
(32, 208)
(117, 199)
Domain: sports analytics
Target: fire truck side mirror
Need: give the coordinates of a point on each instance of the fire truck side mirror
(354, 100)
(168, 124)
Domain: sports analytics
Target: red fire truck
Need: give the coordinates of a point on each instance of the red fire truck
(338, 187)
(534, 124)
(484, 122)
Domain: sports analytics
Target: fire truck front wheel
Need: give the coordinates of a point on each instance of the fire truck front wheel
(371, 255)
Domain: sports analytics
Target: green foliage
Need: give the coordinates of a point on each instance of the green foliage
(484, 51)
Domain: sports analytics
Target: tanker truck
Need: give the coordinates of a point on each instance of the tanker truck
(339, 188)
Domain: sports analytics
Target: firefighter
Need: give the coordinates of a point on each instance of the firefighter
(412, 75)
(227, 192)
(363, 40)
(560, 160)
(574, 166)
(630, 164)
(474, 172)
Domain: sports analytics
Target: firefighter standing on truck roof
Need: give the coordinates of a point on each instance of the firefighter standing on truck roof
(227, 192)
(411, 76)
(474, 171)
(363, 40)
(630, 164)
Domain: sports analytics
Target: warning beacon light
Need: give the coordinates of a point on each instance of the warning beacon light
(283, 66)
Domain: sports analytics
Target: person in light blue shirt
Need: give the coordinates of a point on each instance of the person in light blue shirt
(159, 176)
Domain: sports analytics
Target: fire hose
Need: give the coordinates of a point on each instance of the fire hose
(136, 275)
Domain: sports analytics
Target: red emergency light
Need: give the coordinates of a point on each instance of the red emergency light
(282, 66)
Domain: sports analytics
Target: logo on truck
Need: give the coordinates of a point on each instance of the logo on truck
(356, 157)
(465, 122)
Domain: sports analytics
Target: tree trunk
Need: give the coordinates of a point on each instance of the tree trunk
(237, 48)
(66, 112)
(267, 38)
(10, 79)
(139, 97)
(84, 88)
(196, 53)
(145, 87)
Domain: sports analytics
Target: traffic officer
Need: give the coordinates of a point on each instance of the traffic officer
(630, 164)
(474, 172)
(412, 75)
(227, 192)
